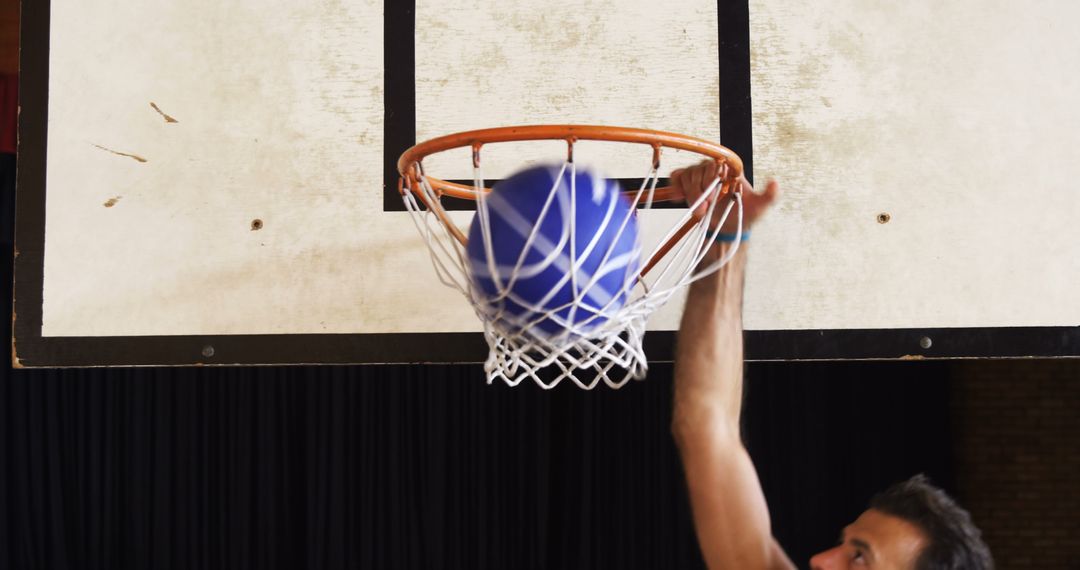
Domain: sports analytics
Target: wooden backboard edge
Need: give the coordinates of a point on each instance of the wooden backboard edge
(462, 348)
(914, 344)
(30, 183)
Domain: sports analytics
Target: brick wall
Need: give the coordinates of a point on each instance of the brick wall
(1016, 436)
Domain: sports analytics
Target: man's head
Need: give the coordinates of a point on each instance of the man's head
(912, 526)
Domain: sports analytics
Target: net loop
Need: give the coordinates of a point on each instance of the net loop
(476, 155)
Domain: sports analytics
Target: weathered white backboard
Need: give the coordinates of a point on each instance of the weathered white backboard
(213, 182)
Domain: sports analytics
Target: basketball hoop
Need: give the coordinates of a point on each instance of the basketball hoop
(610, 352)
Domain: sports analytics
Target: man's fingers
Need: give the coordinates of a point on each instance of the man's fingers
(756, 204)
(692, 182)
(677, 182)
(708, 174)
(711, 170)
(744, 184)
(772, 188)
(700, 181)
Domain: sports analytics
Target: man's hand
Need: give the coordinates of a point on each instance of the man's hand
(693, 181)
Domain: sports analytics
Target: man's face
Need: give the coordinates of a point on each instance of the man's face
(874, 540)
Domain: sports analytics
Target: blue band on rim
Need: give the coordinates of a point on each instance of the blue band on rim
(731, 238)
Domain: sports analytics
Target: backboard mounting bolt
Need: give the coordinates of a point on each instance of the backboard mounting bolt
(925, 342)
(208, 351)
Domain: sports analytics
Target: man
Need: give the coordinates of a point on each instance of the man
(910, 526)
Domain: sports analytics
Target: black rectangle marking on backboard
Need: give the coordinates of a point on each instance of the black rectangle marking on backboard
(733, 17)
(399, 93)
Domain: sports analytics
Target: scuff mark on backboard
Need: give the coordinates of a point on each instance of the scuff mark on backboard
(112, 201)
(118, 153)
(167, 118)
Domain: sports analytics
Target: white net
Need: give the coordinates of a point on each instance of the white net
(605, 347)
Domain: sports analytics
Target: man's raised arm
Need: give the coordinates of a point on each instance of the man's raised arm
(730, 513)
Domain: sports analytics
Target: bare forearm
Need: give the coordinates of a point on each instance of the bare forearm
(709, 353)
(730, 514)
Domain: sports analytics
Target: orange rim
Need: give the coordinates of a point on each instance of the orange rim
(409, 163)
(409, 170)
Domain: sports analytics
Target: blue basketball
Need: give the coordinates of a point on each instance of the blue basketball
(527, 284)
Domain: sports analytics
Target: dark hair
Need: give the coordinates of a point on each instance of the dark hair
(953, 541)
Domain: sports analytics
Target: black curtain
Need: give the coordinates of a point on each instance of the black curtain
(372, 467)
(423, 466)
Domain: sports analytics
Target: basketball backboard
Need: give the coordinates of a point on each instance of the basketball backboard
(208, 182)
